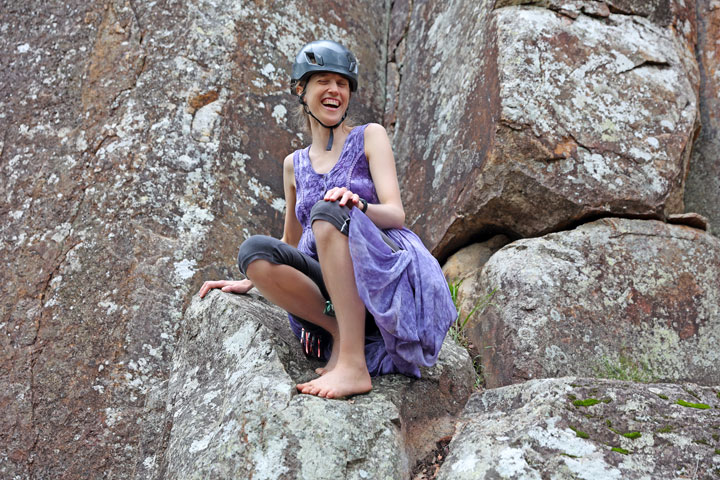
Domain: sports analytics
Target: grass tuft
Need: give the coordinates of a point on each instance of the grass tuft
(458, 329)
(624, 368)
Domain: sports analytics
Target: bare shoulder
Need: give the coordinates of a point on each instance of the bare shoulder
(288, 167)
(375, 130)
(376, 139)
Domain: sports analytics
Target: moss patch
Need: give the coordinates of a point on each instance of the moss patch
(632, 435)
(620, 450)
(665, 429)
(588, 402)
(579, 433)
(701, 406)
(664, 397)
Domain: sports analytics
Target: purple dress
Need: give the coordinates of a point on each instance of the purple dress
(405, 291)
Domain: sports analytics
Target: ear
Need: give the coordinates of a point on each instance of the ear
(299, 88)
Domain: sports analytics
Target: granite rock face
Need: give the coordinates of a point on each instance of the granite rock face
(519, 118)
(463, 269)
(702, 192)
(233, 411)
(139, 144)
(569, 428)
(612, 292)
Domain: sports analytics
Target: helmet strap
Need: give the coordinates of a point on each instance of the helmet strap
(306, 109)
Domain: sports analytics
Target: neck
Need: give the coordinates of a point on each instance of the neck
(321, 135)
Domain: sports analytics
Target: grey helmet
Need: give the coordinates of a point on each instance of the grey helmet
(324, 56)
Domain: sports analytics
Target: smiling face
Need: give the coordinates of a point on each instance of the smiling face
(327, 95)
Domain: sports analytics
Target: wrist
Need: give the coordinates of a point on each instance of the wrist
(363, 205)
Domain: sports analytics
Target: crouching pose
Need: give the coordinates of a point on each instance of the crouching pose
(362, 291)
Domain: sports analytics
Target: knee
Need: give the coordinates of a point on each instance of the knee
(254, 248)
(329, 217)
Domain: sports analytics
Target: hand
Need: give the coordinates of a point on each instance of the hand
(343, 196)
(231, 286)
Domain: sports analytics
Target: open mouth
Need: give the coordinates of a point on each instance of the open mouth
(331, 103)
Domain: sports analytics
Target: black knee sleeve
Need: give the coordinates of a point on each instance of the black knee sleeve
(256, 247)
(333, 213)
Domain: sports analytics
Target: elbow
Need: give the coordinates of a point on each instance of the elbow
(401, 219)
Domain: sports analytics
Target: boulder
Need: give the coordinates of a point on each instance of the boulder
(463, 268)
(702, 193)
(141, 142)
(527, 120)
(636, 296)
(570, 428)
(233, 410)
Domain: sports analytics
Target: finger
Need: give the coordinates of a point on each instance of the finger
(346, 197)
(335, 193)
(209, 285)
(329, 193)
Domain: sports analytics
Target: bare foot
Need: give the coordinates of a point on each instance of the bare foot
(342, 381)
(329, 365)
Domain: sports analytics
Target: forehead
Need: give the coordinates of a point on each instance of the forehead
(328, 76)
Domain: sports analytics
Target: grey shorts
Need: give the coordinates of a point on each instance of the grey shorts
(280, 253)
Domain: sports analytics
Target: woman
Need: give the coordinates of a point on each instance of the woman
(362, 291)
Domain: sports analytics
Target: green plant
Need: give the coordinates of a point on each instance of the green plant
(702, 406)
(477, 366)
(457, 330)
(624, 368)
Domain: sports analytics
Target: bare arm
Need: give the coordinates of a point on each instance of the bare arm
(291, 234)
(389, 213)
(292, 229)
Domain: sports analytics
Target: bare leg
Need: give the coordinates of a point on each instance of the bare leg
(349, 375)
(293, 291)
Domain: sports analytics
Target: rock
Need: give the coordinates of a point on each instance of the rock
(463, 269)
(569, 428)
(702, 193)
(140, 143)
(640, 296)
(526, 120)
(693, 220)
(233, 411)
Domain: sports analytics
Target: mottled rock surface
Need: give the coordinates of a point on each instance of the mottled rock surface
(463, 269)
(233, 410)
(702, 193)
(611, 292)
(518, 119)
(140, 142)
(570, 428)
